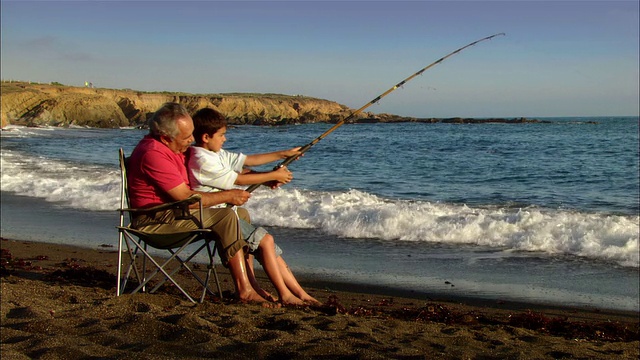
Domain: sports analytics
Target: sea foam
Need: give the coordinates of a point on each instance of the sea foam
(92, 188)
(357, 214)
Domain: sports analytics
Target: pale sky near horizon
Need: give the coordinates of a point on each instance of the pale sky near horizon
(558, 58)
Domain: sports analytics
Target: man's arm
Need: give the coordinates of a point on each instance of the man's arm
(235, 197)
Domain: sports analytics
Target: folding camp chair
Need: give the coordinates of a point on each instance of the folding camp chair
(137, 244)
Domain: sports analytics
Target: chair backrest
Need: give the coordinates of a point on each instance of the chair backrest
(125, 200)
(124, 189)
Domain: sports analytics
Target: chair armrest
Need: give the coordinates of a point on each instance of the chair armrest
(181, 204)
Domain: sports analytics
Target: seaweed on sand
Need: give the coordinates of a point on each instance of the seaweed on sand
(610, 331)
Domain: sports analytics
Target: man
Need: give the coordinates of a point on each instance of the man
(157, 174)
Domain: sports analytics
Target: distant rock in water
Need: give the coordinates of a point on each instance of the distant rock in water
(54, 104)
(385, 118)
(520, 120)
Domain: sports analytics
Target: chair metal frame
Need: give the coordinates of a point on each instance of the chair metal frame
(137, 242)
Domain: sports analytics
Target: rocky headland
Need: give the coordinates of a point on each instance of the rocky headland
(34, 104)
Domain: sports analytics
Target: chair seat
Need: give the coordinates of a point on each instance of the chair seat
(168, 240)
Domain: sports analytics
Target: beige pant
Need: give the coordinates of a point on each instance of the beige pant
(243, 214)
(222, 221)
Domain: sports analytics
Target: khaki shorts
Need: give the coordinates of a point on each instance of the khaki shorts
(222, 221)
(251, 234)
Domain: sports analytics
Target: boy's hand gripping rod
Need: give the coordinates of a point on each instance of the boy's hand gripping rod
(304, 149)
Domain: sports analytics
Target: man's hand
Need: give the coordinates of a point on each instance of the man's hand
(237, 197)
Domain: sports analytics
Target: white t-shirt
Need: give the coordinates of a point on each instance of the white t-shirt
(213, 171)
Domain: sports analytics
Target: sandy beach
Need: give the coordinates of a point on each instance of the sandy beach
(58, 302)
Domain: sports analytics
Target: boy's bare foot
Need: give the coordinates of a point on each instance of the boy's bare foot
(251, 296)
(308, 299)
(311, 301)
(269, 305)
(266, 295)
(291, 300)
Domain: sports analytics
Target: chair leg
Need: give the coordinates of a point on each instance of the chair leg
(160, 268)
(184, 264)
(144, 268)
(133, 255)
(213, 267)
(206, 288)
(134, 245)
(119, 270)
(122, 280)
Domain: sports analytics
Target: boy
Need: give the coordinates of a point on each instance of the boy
(213, 169)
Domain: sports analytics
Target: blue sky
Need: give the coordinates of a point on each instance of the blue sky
(558, 58)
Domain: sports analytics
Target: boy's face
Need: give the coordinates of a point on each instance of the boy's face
(214, 143)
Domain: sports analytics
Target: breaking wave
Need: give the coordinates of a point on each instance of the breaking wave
(356, 214)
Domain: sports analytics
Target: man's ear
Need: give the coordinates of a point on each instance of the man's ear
(165, 139)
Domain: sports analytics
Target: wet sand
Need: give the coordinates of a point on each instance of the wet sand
(58, 302)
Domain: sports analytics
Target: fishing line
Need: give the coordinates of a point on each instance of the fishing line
(304, 149)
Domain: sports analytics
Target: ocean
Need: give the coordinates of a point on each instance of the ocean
(537, 212)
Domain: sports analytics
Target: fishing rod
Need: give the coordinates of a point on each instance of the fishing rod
(304, 149)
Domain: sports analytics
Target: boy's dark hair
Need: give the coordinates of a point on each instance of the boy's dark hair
(207, 121)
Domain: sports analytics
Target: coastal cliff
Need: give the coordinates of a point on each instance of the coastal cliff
(58, 105)
(34, 104)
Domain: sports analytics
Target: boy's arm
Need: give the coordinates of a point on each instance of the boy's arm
(261, 159)
(281, 175)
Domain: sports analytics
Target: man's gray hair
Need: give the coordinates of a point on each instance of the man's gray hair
(163, 121)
